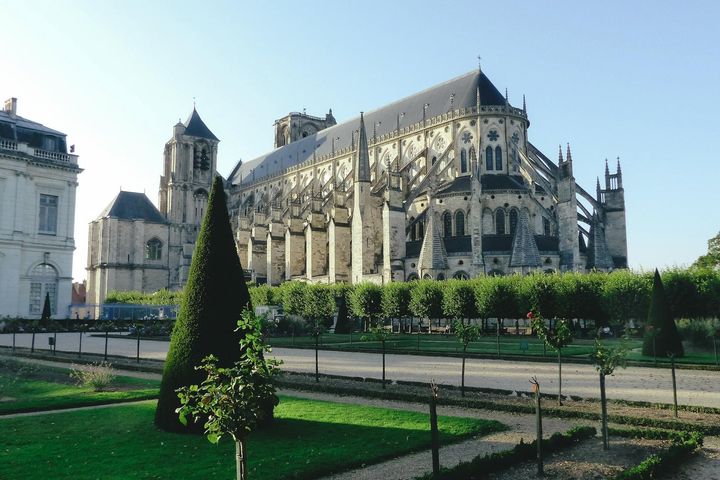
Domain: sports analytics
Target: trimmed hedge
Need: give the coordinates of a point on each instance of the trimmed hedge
(480, 466)
(612, 298)
(683, 445)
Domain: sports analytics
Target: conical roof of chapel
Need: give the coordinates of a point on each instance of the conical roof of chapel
(196, 127)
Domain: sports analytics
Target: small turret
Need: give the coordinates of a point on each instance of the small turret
(362, 167)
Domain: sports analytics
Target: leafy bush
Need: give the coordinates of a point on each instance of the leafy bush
(699, 332)
(98, 376)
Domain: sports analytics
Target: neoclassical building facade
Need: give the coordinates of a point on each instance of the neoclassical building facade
(38, 182)
(441, 184)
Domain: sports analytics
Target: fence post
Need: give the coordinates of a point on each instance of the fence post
(715, 348)
(106, 343)
(80, 347)
(137, 354)
(672, 366)
(13, 347)
(54, 346)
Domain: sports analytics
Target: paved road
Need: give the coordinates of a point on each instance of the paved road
(695, 387)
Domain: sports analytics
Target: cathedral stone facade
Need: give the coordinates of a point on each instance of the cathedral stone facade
(132, 244)
(441, 184)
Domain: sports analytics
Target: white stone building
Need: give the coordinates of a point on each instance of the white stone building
(38, 180)
(444, 183)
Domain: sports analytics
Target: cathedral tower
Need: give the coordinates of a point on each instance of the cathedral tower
(569, 243)
(189, 167)
(613, 200)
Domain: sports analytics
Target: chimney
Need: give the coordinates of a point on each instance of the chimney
(11, 106)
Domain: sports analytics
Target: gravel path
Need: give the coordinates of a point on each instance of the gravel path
(695, 387)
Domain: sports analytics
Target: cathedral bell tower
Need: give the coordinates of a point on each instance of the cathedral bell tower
(190, 163)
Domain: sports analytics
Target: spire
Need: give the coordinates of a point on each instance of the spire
(597, 188)
(598, 256)
(607, 169)
(560, 157)
(524, 249)
(507, 102)
(524, 105)
(362, 169)
(619, 170)
(568, 156)
(433, 255)
(479, 64)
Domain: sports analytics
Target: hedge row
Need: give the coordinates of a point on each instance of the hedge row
(683, 445)
(480, 466)
(605, 298)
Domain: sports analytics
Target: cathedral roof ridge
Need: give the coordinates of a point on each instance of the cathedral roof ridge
(456, 93)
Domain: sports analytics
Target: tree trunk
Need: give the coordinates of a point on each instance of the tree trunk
(672, 367)
(240, 460)
(559, 376)
(434, 436)
(497, 336)
(462, 381)
(603, 413)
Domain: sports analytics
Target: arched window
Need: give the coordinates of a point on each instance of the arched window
(461, 275)
(447, 224)
(498, 158)
(412, 277)
(463, 161)
(496, 273)
(440, 276)
(513, 221)
(432, 162)
(43, 281)
(412, 230)
(459, 223)
(420, 230)
(500, 222)
(488, 158)
(153, 249)
(546, 226)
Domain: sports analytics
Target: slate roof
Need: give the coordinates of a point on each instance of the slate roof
(433, 255)
(502, 182)
(437, 97)
(20, 122)
(459, 185)
(503, 243)
(132, 206)
(524, 249)
(196, 127)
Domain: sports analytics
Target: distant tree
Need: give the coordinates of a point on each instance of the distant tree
(232, 400)
(426, 298)
(661, 335)
(459, 300)
(466, 334)
(365, 303)
(499, 298)
(344, 323)
(556, 338)
(214, 299)
(395, 301)
(378, 333)
(293, 297)
(626, 296)
(606, 360)
(712, 258)
(318, 308)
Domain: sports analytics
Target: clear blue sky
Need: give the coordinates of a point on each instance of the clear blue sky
(636, 79)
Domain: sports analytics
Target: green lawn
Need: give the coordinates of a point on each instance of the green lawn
(25, 388)
(309, 439)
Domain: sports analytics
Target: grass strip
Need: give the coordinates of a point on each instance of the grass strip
(308, 439)
(480, 466)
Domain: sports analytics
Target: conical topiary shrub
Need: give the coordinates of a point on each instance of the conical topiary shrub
(661, 326)
(47, 312)
(215, 296)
